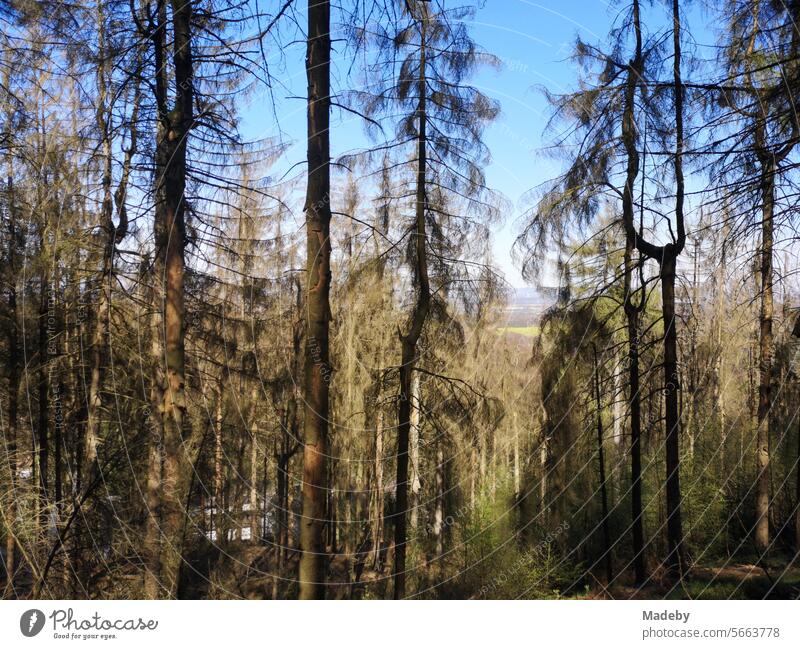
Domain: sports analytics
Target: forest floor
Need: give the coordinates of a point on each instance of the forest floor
(733, 581)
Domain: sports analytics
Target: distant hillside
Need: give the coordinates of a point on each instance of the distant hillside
(526, 306)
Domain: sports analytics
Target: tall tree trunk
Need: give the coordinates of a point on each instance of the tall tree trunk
(13, 380)
(797, 497)
(765, 358)
(103, 315)
(667, 256)
(43, 386)
(609, 562)
(414, 432)
(637, 526)
(255, 536)
(629, 130)
(378, 509)
(151, 548)
(719, 364)
(438, 512)
(676, 559)
(317, 370)
(693, 366)
(516, 462)
(408, 355)
(174, 124)
(216, 509)
(113, 235)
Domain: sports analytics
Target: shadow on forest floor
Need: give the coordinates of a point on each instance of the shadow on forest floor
(737, 581)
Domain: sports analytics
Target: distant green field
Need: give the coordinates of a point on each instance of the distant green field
(530, 332)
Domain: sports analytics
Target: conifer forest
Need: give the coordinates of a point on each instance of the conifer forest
(399, 299)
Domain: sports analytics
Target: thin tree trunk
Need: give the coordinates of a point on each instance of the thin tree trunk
(114, 235)
(377, 527)
(317, 371)
(719, 366)
(676, 560)
(43, 385)
(609, 562)
(693, 365)
(797, 497)
(634, 77)
(216, 509)
(637, 526)
(408, 356)
(517, 471)
(415, 420)
(254, 510)
(102, 319)
(544, 454)
(438, 514)
(151, 550)
(13, 382)
(765, 360)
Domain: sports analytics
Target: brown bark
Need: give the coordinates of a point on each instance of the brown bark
(769, 159)
(317, 370)
(112, 236)
(173, 129)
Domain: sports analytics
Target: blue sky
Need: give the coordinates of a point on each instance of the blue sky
(533, 40)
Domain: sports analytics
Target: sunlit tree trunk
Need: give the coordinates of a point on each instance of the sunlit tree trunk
(317, 369)
(415, 422)
(169, 400)
(103, 315)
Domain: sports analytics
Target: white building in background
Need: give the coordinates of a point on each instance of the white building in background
(238, 521)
